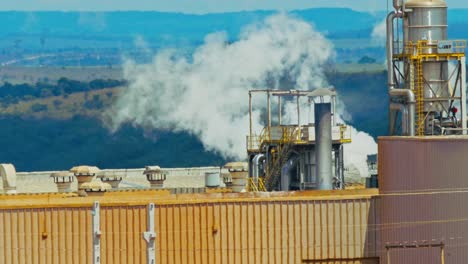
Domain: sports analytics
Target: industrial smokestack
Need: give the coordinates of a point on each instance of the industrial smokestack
(323, 143)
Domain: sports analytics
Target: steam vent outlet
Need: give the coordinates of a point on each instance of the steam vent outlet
(111, 177)
(239, 174)
(63, 180)
(84, 174)
(155, 176)
(95, 188)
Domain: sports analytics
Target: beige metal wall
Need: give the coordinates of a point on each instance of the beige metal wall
(202, 230)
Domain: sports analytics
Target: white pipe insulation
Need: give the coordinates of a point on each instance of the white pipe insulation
(8, 175)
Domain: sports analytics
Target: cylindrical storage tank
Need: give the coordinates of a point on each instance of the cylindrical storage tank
(212, 179)
(427, 20)
(323, 143)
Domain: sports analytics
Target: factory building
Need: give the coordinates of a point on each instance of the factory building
(289, 203)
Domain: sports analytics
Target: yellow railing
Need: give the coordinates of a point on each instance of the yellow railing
(258, 186)
(290, 135)
(422, 49)
(345, 134)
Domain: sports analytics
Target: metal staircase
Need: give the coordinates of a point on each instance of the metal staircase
(279, 159)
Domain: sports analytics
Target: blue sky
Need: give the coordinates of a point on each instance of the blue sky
(198, 6)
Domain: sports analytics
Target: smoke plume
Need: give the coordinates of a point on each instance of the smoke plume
(206, 93)
(379, 33)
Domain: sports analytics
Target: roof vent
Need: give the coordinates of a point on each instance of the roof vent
(84, 174)
(63, 180)
(111, 177)
(155, 176)
(239, 173)
(95, 187)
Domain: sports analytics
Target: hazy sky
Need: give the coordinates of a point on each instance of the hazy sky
(198, 6)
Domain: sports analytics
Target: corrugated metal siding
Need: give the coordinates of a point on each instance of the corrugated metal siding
(424, 184)
(234, 231)
(420, 219)
(422, 164)
(45, 236)
(266, 232)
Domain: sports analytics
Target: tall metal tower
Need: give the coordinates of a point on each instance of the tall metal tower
(426, 71)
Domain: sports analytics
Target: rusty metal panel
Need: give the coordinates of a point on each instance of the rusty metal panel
(412, 164)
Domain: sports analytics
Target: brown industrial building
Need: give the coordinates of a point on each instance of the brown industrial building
(417, 215)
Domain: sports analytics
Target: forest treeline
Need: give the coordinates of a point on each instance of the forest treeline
(14, 93)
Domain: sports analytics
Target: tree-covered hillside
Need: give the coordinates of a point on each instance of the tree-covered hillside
(58, 132)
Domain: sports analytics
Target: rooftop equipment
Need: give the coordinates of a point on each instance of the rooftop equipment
(84, 174)
(155, 176)
(63, 180)
(111, 177)
(427, 97)
(8, 175)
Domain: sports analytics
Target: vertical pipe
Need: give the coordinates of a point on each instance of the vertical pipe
(341, 161)
(442, 255)
(337, 167)
(334, 110)
(96, 233)
(268, 110)
(279, 110)
(463, 94)
(298, 111)
(393, 92)
(250, 115)
(323, 142)
(150, 236)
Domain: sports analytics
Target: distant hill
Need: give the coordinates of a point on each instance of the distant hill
(194, 27)
(57, 132)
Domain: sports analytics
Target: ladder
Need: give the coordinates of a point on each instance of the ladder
(279, 159)
(419, 87)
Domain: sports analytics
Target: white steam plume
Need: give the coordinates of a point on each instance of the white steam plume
(207, 93)
(379, 33)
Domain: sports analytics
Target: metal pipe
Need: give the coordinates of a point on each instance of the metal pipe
(395, 93)
(256, 163)
(279, 111)
(298, 112)
(8, 175)
(341, 166)
(250, 115)
(463, 94)
(404, 114)
(323, 143)
(397, 4)
(268, 109)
